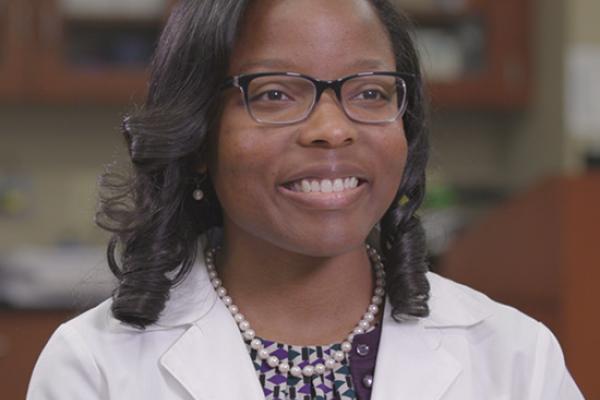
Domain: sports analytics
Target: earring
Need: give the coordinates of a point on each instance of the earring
(198, 194)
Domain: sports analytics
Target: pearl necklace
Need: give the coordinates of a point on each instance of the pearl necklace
(330, 362)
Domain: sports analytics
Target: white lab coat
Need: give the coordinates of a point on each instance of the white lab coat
(468, 348)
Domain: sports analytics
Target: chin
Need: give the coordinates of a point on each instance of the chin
(325, 242)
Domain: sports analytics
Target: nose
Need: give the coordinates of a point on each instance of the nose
(328, 126)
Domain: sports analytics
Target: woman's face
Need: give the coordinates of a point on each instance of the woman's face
(255, 167)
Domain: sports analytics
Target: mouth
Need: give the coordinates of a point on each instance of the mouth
(308, 185)
(325, 194)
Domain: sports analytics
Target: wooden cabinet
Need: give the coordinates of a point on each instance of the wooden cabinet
(59, 51)
(476, 52)
(23, 335)
(14, 40)
(94, 57)
(539, 253)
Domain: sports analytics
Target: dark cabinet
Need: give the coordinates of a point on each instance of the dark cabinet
(476, 53)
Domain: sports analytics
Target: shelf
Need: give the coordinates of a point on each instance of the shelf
(108, 87)
(470, 58)
(101, 44)
(96, 59)
(54, 55)
(66, 52)
(113, 9)
(107, 22)
(13, 49)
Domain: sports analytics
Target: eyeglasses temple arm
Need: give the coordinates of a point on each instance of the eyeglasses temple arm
(229, 82)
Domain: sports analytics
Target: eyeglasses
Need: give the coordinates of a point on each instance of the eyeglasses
(281, 98)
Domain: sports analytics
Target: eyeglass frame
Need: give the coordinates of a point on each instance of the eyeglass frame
(242, 82)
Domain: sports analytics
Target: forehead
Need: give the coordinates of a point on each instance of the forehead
(323, 38)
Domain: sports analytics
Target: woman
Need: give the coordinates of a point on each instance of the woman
(278, 138)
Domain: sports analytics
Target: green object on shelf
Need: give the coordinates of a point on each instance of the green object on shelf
(439, 197)
(13, 202)
(15, 194)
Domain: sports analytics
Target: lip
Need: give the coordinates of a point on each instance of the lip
(320, 200)
(324, 201)
(329, 171)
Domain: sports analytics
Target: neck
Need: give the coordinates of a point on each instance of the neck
(294, 298)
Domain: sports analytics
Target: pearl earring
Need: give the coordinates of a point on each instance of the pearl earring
(198, 194)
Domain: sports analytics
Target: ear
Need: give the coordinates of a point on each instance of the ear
(200, 162)
(202, 168)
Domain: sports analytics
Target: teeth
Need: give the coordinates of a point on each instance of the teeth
(325, 185)
(306, 187)
(350, 183)
(338, 185)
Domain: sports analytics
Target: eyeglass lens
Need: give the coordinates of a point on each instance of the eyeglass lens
(284, 99)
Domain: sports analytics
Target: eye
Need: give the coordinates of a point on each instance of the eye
(273, 95)
(371, 94)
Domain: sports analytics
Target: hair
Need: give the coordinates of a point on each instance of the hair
(154, 220)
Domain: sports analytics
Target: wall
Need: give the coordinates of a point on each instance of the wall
(60, 151)
(538, 147)
(512, 150)
(583, 80)
(582, 21)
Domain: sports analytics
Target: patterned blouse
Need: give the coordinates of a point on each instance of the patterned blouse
(351, 381)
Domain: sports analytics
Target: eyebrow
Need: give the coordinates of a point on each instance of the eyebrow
(274, 63)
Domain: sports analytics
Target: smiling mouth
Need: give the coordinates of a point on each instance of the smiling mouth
(324, 185)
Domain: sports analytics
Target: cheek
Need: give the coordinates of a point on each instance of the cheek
(234, 165)
(232, 147)
(394, 151)
(241, 167)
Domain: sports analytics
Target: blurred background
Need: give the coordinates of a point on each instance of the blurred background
(514, 188)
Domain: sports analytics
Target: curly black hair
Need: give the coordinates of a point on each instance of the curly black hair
(155, 222)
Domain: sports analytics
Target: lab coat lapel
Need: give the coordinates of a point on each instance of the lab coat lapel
(211, 362)
(411, 364)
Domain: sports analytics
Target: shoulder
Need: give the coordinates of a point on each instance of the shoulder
(92, 321)
(96, 353)
(68, 357)
(84, 337)
(93, 327)
(458, 309)
(100, 333)
(454, 304)
(494, 339)
(94, 348)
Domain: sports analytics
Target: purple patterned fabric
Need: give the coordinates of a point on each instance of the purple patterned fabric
(346, 382)
(353, 380)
